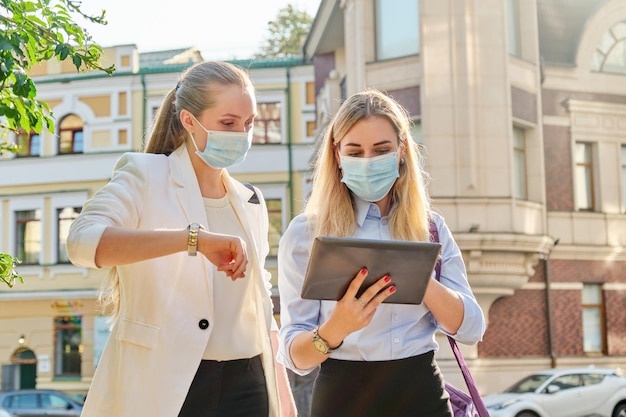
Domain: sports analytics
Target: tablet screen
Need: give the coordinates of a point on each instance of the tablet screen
(334, 262)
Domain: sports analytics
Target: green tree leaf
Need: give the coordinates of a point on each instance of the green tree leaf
(36, 31)
(32, 32)
(8, 274)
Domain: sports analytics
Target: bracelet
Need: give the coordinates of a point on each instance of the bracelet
(192, 240)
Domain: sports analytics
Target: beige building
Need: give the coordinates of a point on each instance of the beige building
(53, 314)
(521, 107)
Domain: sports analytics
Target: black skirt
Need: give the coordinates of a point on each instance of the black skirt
(411, 387)
(228, 389)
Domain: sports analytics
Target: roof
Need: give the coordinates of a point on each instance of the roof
(163, 62)
(179, 56)
(561, 25)
(247, 64)
(288, 61)
(326, 33)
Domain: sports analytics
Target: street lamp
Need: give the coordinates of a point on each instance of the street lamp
(549, 302)
(21, 340)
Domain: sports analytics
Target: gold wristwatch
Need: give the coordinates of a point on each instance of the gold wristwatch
(192, 240)
(322, 345)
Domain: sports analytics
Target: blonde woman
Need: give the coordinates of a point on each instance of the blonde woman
(187, 243)
(376, 359)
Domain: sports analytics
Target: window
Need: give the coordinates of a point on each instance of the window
(397, 28)
(267, 123)
(54, 402)
(71, 135)
(21, 401)
(416, 131)
(275, 213)
(29, 144)
(519, 164)
(310, 92)
(65, 217)
(28, 236)
(513, 28)
(610, 55)
(624, 178)
(593, 319)
(584, 177)
(68, 346)
(152, 110)
(568, 381)
(592, 379)
(310, 128)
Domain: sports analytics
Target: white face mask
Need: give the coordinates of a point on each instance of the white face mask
(370, 178)
(223, 149)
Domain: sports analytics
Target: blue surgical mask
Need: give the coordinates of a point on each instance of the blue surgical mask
(370, 178)
(223, 149)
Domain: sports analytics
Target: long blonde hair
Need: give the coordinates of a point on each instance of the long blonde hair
(193, 92)
(331, 207)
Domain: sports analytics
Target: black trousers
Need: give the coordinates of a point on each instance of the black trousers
(228, 389)
(411, 387)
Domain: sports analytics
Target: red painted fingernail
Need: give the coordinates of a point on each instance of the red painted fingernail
(387, 278)
(364, 271)
(392, 289)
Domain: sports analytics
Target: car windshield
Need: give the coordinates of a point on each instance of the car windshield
(528, 384)
(77, 398)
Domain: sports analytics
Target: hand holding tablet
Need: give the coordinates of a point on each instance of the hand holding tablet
(334, 262)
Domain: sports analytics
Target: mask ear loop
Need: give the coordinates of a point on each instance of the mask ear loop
(193, 141)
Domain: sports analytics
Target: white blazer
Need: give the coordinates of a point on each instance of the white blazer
(158, 341)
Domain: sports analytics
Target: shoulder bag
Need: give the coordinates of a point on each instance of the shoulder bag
(463, 405)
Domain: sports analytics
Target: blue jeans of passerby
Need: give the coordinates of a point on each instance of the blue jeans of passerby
(302, 389)
(228, 389)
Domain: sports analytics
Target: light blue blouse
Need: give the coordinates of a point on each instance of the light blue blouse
(396, 331)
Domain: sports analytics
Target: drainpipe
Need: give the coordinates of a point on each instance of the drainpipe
(289, 148)
(144, 107)
(548, 305)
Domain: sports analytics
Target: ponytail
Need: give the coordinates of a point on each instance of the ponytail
(168, 132)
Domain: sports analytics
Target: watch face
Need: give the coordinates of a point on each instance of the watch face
(320, 346)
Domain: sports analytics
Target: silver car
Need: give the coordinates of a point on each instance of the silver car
(36, 403)
(581, 392)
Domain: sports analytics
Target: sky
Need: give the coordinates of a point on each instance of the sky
(221, 29)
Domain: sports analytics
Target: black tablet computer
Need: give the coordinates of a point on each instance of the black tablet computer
(334, 262)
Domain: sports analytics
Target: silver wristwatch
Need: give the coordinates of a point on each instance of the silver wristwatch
(322, 345)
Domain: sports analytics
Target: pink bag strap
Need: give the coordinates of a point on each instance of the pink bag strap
(469, 381)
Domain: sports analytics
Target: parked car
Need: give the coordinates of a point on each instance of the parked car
(585, 392)
(35, 403)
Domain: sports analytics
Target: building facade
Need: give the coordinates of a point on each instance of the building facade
(520, 106)
(54, 314)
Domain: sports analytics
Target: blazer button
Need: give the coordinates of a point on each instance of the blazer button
(203, 324)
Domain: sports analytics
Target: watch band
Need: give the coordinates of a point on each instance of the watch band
(192, 240)
(322, 345)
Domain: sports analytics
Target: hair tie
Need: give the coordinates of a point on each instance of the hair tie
(177, 85)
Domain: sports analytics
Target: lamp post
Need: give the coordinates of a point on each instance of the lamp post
(548, 305)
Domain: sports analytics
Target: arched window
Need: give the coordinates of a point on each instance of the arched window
(71, 134)
(610, 55)
(30, 144)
